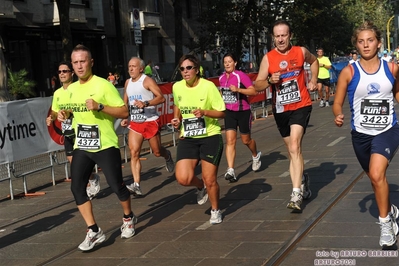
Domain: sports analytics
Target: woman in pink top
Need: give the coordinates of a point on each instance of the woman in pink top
(235, 87)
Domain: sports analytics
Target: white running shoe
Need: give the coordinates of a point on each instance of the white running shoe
(389, 230)
(202, 196)
(256, 163)
(216, 217)
(296, 201)
(92, 239)
(230, 175)
(94, 186)
(321, 103)
(127, 227)
(134, 189)
(327, 104)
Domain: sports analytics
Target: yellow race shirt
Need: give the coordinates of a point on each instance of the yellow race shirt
(203, 96)
(94, 130)
(324, 73)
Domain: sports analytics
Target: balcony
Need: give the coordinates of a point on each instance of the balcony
(150, 20)
(77, 14)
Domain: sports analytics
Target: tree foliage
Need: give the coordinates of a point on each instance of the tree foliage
(227, 25)
(315, 23)
(19, 85)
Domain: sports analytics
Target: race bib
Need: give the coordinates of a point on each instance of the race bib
(66, 127)
(228, 96)
(194, 126)
(137, 114)
(88, 137)
(288, 93)
(375, 114)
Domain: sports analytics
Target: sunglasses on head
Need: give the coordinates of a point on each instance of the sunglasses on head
(187, 67)
(63, 71)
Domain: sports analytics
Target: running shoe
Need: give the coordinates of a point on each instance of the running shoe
(169, 164)
(321, 103)
(296, 201)
(394, 211)
(256, 163)
(127, 227)
(92, 239)
(230, 175)
(134, 189)
(216, 217)
(305, 187)
(389, 230)
(327, 104)
(94, 186)
(202, 196)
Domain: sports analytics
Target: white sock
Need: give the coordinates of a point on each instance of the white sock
(297, 190)
(384, 220)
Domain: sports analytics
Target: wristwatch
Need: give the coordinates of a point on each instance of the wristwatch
(146, 103)
(100, 107)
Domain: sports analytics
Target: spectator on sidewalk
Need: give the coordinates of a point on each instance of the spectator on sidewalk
(235, 87)
(283, 69)
(197, 107)
(95, 104)
(141, 96)
(372, 85)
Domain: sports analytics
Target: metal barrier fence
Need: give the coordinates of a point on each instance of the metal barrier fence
(25, 167)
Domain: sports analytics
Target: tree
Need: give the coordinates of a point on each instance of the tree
(19, 86)
(65, 28)
(235, 26)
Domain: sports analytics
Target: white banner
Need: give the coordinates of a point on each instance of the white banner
(23, 130)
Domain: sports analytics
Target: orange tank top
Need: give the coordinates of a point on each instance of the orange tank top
(291, 92)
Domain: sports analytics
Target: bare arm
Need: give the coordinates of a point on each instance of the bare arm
(250, 91)
(314, 67)
(151, 85)
(261, 83)
(342, 86)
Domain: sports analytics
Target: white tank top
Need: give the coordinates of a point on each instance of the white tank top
(136, 91)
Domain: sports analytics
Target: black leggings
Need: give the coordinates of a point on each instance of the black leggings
(82, 166)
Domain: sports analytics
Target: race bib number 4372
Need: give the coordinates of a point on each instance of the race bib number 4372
(88, 137)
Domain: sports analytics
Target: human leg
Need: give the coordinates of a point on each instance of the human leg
(377, 175)
(135, 144)
(209, 175)
(320, 93)
(158, 150)
(109, 160)
(293, 144)
(231, 137)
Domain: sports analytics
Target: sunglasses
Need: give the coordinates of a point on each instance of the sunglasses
(63, 71)
(187, 68)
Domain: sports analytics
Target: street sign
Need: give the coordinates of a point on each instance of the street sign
(137, 37)
(136, 18)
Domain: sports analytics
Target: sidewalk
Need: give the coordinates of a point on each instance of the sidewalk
(174, 230)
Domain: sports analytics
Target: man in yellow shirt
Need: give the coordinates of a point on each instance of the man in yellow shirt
(323, 78)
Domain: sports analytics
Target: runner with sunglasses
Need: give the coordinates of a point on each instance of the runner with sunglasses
(197, 107)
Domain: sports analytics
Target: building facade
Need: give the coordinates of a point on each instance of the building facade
(113, 30)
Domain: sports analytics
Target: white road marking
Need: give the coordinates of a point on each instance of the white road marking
(335, 141)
